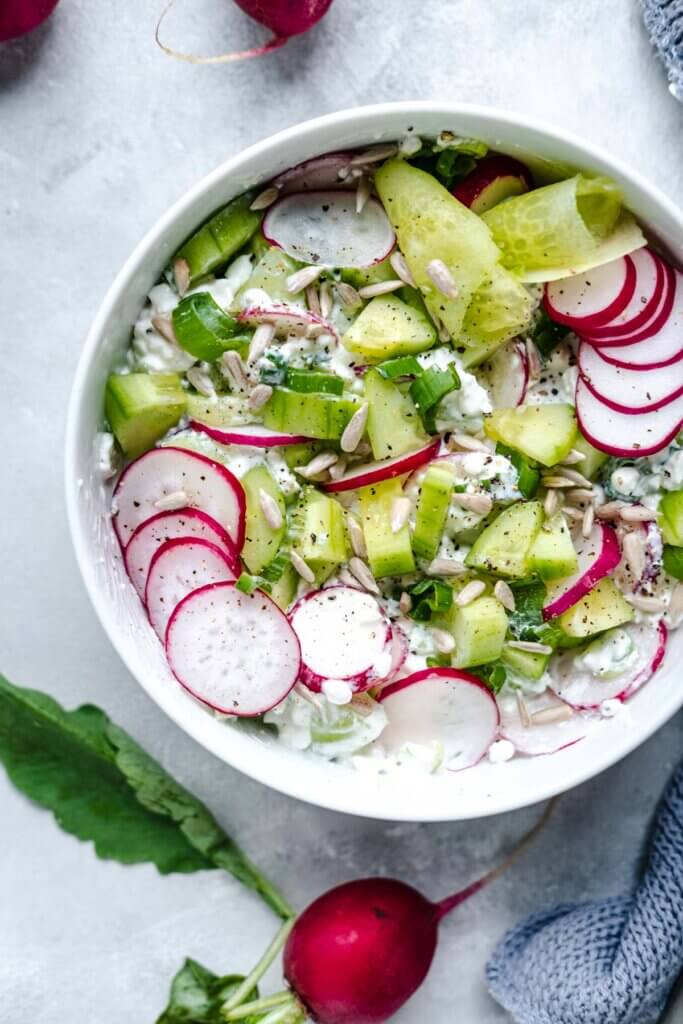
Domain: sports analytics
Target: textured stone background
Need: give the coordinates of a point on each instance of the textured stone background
(99, 132)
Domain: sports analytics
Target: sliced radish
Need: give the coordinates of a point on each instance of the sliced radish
(177, 568)
(193, 479)
(320, 172)
(582, 689)
(324, 228)
(626, 433)
(288, 320)
(344, 634)
(652, 277)
(495, 178)
(506, 375)
(655, 321)
(593, 298)
(253, 436)
(400, 649)
(654, 556)
(554, 729)
(150, 535)
(661, 348)
(628, 390)
(598, 555)
(445, 706)
(373, 472)
(235, 652)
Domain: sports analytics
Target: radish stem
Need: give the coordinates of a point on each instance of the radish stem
(258, 1005)
(262, 966)
(290, 1013)
(224, 58)
(444, 907)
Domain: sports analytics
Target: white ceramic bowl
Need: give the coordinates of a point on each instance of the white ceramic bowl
(482, 790)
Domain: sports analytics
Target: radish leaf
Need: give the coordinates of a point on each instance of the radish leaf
(197, 995)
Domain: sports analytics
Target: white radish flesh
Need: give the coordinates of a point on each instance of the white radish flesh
(344, 634)
(179, 567)
(386, 469)
(169, 471)
(235, 652)
(442, 706)
(594, 297)
(652, 276)
(651, 348)
(626, 433)
(320, 172)
(598, 555)
(579, 687)
(150, 535)
(534, 736)
(254, 436)
(629, 390)
(324, 229)
(506, 375)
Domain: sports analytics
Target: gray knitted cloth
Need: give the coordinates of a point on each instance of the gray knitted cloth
(664, 22)
(609, 962)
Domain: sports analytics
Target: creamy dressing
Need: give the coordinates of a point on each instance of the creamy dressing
(465, 407)
(611, 655)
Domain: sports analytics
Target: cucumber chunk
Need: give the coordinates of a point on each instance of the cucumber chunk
(261, 541)
(432, 508)
(220, 238)
(545, 433)
(671, 518)
(524, 663)
(390, 554)
(141, 407)
(552, 553)
(270, 275)
(602, 608)
(388, 327)
(479, 631)
(673, 561)
(394, 425)
(203, 329)
(320, 533)
(221, 411)
(283, 591)
(312, 415)
(594, 460)
(504, 547)
(313, 381)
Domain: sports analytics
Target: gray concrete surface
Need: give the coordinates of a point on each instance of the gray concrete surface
(99, 132)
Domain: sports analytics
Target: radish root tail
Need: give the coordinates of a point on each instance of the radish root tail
(223, 58)
(444, 907)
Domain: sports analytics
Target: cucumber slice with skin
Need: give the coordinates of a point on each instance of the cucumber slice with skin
(313, 382)
(432, 508)
(141, 407)
(312, 415)
(545, 433)
(394, 425)
(221, 411)
(504, 547)
(602, 608)
(203, 329)
(479, 631)
(387, 328)
(524, 663)
(501, 308)
(671, 518)
(594, 460)
(283, 591)
(218, 240)
(261, 541)
(270, 274)
(389, 553)
(552, 553)
(320, 533)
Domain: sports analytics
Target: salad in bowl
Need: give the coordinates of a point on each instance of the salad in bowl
(394, 456)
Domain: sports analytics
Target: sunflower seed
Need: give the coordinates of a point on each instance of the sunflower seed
(503, 593)
(172, 501)
(547, 716)
(405, 603)
(259, 396)
(442, 278)
(557, 481)
(313, 299)
(374, 155)
(443, 641)
(398, 262)
(302, 568)
(181, 273)
(370, 291)
(356, 536)
(301, 279)
(446, 567)
(470, 592)
(354, 429)
(163, 324)
(400, 511)
(579, 495)
(588, 520)
(360, 570)
(572, 458)
(575, 514)
(523, 710)
(610, 510)
(362, 193)
(479, 503)
(270, 508)
(348, 296)
(325, 300)
(233, 368)
(467, 443)
(637, 514)
(261, 339)
(534, 360)
(201, 381)
(338, 468)
(578, 478)
(265, 199)
(551, 503)
(530, 646)
(634, 554)
(646, 604)
(318, 464)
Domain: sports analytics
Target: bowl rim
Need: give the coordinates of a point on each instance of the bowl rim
(292, 784)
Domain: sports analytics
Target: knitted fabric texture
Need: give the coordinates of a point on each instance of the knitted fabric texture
(664, 22)
(608, 962)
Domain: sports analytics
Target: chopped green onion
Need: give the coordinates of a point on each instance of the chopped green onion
(203, 329)
(248, 583)
(313, 381)
(274, 570)
(528, 474)
(429, 389)
(430, 597)
(401, 366)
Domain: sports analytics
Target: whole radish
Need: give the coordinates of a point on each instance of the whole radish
(18, 17)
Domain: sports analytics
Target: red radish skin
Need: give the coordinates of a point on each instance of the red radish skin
(286, 320)
(598, 556)
(651, 328)
(594, 298)
(652, 276)
(188, 523)
(178, 567)
(19, 17)
(496, 177)
(254, 436)
(387, 469)
(626, 433)
(506, 375)
(628, 390)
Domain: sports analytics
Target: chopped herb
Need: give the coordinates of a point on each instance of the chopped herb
(275, 373)
(439, 661)
(547, 334)
(493, 674)
(430, 597)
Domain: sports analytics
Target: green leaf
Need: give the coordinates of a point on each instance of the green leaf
(197, 995)
(430, 597)
(102, 787)
(493, 674)
(547, 334)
